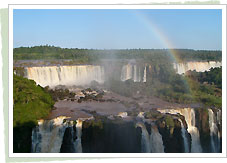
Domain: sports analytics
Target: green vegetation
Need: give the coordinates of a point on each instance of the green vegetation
(186, 90)
(167, 85)
(213, 77)
(126, 88)
(31, 103)
(93, 123)
(207, 94)
(169, 121)
(153, 115)
(93, 55)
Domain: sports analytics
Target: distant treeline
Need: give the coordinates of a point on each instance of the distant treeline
(90, 55)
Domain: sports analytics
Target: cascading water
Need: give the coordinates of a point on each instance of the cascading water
(214, 133)
(126, 72)
(219, 117)
(156, 142)
(197, 66)
(83, 74)
(141, 115)
(79, 74)
(47, 136)
(183, 133)
(123, 114)
(151, 143)
(145, 75)
(145, 140)
(189, 115)
(77, 144)
(65, 75)
(136, 76)
(133, 72)
(196, 146)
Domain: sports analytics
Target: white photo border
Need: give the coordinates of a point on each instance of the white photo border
(117, 155)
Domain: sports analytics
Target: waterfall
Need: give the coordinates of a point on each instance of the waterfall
(183, 133)
(83, 74)
(219, 122)
(123, 114)
(141, 115)
(65, 75)
(135, 77)
(189, 115)
(151, 143)
(145, 75)
(36, 140)
(48, 135)
(197, 66)
(131, 71)
(156, 142)
(196, 146)
(126, 72)
(214, 133)
(77, 144)
(219, 117)
(145, 140)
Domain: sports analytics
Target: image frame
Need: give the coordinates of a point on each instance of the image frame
(116, 155)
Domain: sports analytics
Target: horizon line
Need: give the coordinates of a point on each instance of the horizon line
(117, 48)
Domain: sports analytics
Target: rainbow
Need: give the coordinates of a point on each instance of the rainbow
(164, 40)
(158, 34)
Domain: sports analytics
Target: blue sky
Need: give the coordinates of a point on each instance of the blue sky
(119, 29)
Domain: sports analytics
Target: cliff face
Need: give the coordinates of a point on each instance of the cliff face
(83, 74)
(197, 66)
(161, 131)
(65, 75)
(172, 136)
(111, 136)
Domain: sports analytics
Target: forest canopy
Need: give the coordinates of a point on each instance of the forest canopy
(30, 103)
(91, 55)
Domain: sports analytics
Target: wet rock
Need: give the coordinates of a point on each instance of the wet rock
(170, 130)
(67, 143)
(112, 137)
